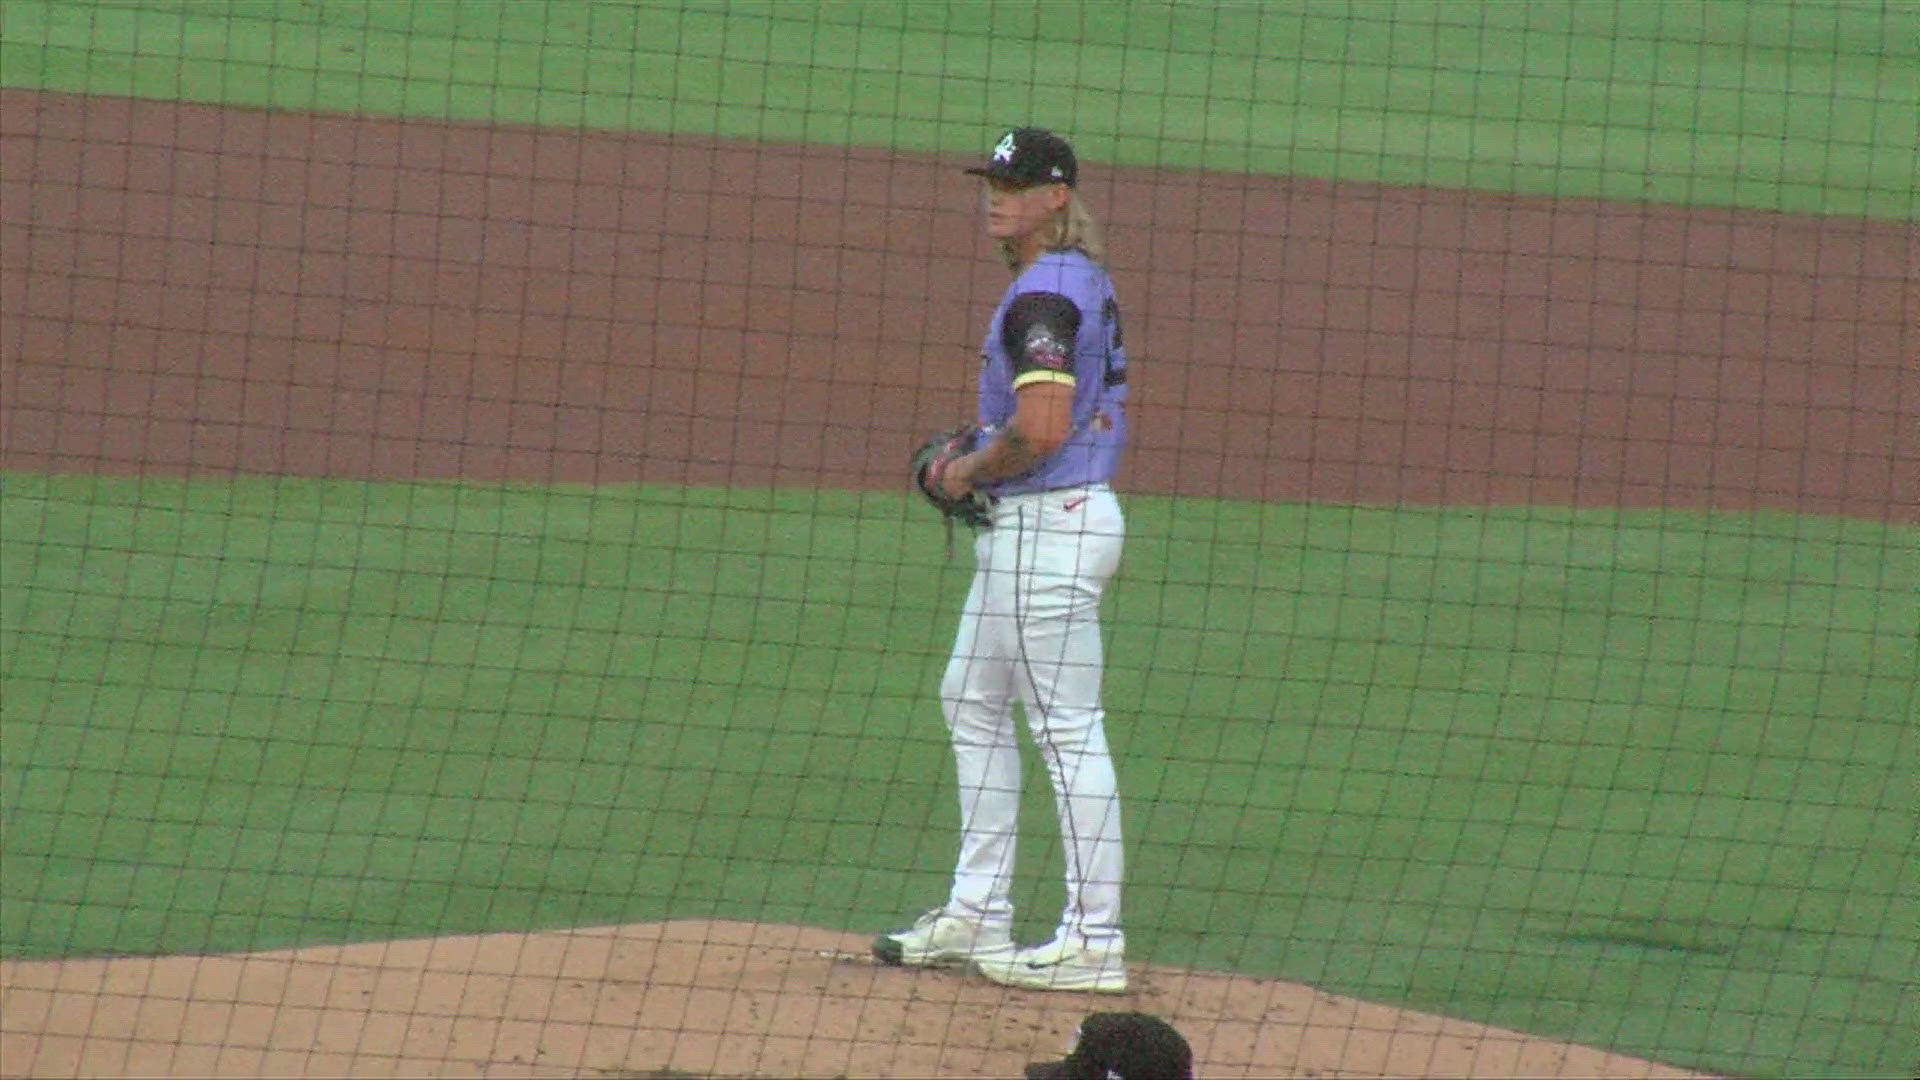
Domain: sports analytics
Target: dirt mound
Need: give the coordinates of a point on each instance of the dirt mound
(682, 999)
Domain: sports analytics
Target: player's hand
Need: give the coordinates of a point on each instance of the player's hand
(932, 467)
(956, 480)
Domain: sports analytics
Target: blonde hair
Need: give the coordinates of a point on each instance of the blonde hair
(1074, 229)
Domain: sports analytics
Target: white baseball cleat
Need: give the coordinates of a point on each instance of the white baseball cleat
(1061, 964)
(938, 939)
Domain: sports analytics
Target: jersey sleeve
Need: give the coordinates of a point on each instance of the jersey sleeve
(1038, 332)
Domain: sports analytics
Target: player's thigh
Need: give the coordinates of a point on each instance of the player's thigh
(1070, 550)
(985, 644)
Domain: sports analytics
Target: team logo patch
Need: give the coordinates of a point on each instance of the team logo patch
(1043, 350)
(1003, 150)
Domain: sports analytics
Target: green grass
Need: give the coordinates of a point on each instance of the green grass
(1640, 779)
(1805, 106)
(1645, 780)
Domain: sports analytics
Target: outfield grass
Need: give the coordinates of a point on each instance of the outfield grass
(1794, 105)
(1641, 779)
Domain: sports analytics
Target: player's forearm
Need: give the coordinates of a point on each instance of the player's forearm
(1041, 421)
(1008, 454)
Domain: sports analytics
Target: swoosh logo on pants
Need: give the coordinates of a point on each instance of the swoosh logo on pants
(1073, 504)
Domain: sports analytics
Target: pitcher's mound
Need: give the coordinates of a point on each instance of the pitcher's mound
(686, 999)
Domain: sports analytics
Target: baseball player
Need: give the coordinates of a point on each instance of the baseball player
(1034, 476)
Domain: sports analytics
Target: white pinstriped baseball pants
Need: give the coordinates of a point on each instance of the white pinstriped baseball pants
(1030, 631)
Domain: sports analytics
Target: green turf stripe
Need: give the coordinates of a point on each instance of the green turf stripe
(1804, 106)
(1640, 779)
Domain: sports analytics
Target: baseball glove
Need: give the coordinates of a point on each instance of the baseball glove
(930, 463)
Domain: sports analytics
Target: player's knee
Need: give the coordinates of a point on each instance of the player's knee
(1072, 733)
(978, 724)
(977, 711)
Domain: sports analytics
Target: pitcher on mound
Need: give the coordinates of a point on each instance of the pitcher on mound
(1051, 428)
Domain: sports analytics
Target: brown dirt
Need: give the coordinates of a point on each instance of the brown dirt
(195, 291)
(205, 291)
(687, 999)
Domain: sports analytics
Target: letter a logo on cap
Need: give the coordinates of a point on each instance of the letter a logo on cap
(1003, 150)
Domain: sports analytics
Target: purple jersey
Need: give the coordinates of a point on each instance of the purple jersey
(1091, 359)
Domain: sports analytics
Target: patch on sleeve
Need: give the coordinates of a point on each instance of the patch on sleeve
(1038, 332)
(1044, 349)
